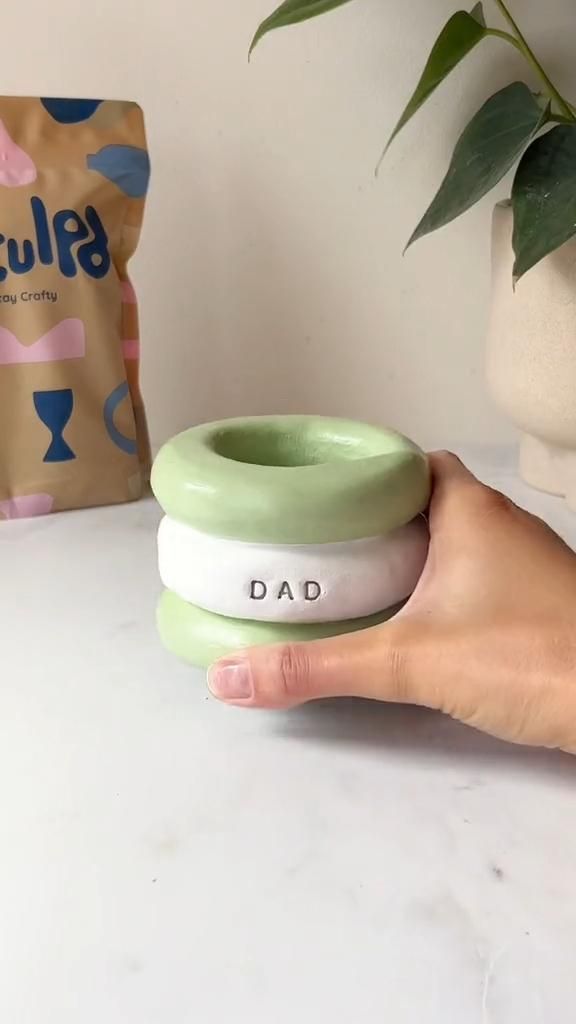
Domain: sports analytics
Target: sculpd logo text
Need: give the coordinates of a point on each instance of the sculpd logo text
(67, 239)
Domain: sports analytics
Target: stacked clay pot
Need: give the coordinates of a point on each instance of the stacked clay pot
(285, 528)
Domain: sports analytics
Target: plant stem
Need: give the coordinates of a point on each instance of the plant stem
(500, 34)
(523, 46)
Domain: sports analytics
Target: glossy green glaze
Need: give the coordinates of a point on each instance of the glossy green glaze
(200, 637)
(291, 479)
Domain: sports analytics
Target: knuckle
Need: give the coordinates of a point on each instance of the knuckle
(492, 502)
(401, 691)
(414, 666)
(293, 674)
(400, 669)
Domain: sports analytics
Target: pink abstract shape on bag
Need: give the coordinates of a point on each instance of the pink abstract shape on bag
(16, 167)
(26, 506)
(131, 349)
(67, 340)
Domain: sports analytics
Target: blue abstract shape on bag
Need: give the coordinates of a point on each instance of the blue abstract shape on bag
(126, 444)
(54, 409)
(70, 111)
(127, 166)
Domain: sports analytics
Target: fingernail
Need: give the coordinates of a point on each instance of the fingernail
(231, 680)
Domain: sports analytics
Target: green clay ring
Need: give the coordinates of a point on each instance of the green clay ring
(291, 479)
(201, 638)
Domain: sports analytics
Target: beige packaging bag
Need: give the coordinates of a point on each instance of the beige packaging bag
(73, 181)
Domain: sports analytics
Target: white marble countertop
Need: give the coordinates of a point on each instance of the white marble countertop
(168, 860)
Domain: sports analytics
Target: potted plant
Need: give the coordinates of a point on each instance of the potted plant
(532, 333)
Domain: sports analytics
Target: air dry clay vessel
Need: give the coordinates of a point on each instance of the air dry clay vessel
(285, 528)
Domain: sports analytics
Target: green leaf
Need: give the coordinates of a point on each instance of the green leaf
(490, 145)
(544, 198)
(291, 12)
(460, 35)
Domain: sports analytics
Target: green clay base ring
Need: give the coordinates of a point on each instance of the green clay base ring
(201, 637)
(291, 479)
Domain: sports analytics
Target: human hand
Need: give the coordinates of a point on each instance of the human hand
(488, 637)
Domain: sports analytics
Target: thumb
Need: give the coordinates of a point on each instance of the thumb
(376, 663)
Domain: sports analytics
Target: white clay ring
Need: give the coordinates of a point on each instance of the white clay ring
(296, 583)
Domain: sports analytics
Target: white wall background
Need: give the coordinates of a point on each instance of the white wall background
(270, 272)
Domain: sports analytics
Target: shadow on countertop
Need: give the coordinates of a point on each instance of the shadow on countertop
(409, 732)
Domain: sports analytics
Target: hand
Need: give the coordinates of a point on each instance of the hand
(489, 636)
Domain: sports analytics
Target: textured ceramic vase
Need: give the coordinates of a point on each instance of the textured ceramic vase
(532, 358)
(285, 528)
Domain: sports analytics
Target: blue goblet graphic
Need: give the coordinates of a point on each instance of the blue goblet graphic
(54, 409)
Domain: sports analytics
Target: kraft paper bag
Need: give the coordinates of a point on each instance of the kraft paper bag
(73, 182)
